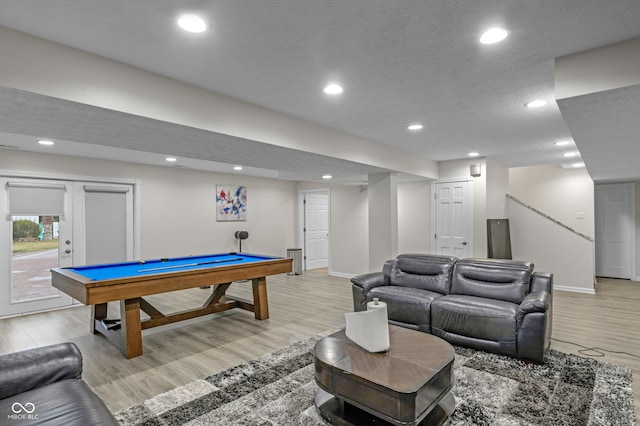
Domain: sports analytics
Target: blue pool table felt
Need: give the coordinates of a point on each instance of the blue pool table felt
(157, 266)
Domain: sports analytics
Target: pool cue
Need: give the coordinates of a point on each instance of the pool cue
(185, 265)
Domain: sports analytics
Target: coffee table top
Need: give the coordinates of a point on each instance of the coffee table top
(413, 360)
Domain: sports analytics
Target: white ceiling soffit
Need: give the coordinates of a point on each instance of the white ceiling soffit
(88, 131)
(606, 126)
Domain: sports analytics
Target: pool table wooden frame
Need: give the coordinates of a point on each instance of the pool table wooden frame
(129, 291)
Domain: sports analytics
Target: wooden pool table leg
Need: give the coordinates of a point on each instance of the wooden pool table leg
(131, 331)
(260, 301)
(98, 312)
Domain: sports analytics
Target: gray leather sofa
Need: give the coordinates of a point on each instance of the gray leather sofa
(499, 306)
(43, 386)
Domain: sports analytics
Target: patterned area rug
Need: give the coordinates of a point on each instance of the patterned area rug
(278, 389)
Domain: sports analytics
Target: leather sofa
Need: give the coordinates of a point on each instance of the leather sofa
(493, 305)
(43, 386)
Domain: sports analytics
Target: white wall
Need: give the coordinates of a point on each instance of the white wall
(497, 175)
(349, 238)
(596, 70)
(552, 248)
(178, 210)
(414, 217)
(558, 193)
(178, 206)
(350, 231)
(383, 218)
(348, 228)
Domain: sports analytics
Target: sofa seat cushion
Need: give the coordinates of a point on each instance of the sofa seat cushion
(66, 402)
(407, 304)
(477, 317)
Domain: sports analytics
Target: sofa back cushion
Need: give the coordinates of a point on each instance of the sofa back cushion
(423, 271)
(507, 280)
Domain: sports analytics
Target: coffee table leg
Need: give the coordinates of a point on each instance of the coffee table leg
(441, 412)
(331, 408)
(341, 413)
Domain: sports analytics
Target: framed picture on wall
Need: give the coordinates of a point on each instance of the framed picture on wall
(231, 203)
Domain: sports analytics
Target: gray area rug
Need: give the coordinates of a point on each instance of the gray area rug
(278, 389)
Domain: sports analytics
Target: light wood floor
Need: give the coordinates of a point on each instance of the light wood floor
(300, 307)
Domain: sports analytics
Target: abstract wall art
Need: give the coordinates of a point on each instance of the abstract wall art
(231, 203)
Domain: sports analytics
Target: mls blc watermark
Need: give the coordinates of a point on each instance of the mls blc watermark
(23, 411)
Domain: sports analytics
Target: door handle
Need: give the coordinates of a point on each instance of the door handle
(67, 251)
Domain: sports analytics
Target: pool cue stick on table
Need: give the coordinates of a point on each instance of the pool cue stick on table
(186, 265)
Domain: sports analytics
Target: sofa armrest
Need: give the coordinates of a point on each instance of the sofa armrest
(538, 301)
(541, 281)
(368, 281)
(34, 368)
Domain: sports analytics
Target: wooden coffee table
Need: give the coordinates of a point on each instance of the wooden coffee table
(408, 385)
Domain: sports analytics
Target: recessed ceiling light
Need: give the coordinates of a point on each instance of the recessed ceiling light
(45, 142)
(493, 35)
(333, 89)
(474, 154)
(192, 23)
(415, 126)
(576, 165)
(569, 154)
(171, 159)
(327, 177)
(562, 143)
(237, 167)
(536, 103)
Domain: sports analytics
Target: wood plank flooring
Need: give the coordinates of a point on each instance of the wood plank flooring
(300, 306)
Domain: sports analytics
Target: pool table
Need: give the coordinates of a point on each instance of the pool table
(128, 282)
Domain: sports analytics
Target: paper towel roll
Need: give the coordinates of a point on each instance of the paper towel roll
(376, 304)
(369, 329)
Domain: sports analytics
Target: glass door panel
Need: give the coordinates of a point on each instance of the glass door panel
(35, 250)
(35, 236)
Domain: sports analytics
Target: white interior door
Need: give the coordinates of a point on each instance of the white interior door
(35, 236)
(453, 221)
(316, 230)
(614, 230)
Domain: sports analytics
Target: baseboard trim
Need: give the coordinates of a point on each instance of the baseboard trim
(574, 289)
(340, 274)
(73, 305)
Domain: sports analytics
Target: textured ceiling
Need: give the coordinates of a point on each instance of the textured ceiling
(400, 62)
